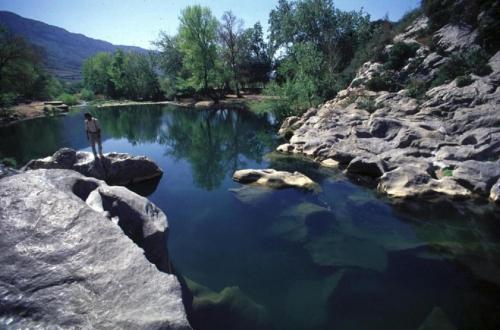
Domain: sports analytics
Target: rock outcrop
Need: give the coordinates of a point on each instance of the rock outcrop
(444, 142)
(114, 168)
(275, 179)
(67, 261)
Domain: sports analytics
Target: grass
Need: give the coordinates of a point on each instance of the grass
(447, 172)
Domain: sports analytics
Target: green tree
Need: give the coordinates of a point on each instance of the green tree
(95, 73)
(230, 32)
(198, 44)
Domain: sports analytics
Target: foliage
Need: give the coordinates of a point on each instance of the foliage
(197, 43)
(399, 53)
(87, 95)
(68, 99)
(382, 82)
(21, 69)
(122, 75)
(447, 172)
(416, 88)
(7, 100)
(367, 103)
(462, 64)
(317, 42)
(463, 81)
(441, 12)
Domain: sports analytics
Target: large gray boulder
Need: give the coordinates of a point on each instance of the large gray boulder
(114, 168)
(69, 264)
(495, 192)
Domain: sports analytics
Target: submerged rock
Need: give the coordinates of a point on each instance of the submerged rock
(114, 168)
(228, 309)
(67, 264)
(7, 171)
(275, 179)
(437, 320)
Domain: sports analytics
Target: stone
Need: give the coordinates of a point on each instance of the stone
(412, 181)
(204, 104)
(114, 168)
(495, 192)
(7, 171)
(476, 176)
(66, 264)
(455, 37)
(228, 309)
(275, 179)
(330, 163)
(366, 166)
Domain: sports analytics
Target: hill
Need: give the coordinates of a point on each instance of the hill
(65, 52)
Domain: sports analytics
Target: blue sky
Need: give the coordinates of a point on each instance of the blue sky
(137, 22)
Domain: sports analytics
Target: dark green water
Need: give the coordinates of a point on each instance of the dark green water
(343, 258)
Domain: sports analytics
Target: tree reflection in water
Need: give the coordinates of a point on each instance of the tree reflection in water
(214, 142)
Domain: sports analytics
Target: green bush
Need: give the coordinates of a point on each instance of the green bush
(367, 103)
(447, 172)
(463, 81)
(68, 99)
(441, 12)
(382, 82)
(87, 95)
(462, 64)
(416, 88)
(399, 54)
(7, 100)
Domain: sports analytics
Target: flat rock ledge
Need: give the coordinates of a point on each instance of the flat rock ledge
(275, 179)
(77, 253)
(114, 168)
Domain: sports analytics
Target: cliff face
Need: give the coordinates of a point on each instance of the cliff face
(434, 134)
(77, 253)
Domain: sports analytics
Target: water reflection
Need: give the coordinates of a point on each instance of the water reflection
(215, 143)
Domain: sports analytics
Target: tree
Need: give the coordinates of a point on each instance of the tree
(255, 63)
(95, 74)
(230, 32)
(197, 41)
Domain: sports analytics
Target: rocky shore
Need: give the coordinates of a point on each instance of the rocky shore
(446, 141)
(78, 253)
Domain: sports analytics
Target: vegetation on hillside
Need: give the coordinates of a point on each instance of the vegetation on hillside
(22, 76)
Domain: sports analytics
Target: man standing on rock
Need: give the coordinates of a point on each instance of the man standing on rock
(93, 131)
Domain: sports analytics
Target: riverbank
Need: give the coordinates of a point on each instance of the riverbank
(38, 109)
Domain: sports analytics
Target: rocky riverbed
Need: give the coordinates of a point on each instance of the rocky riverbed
(446, 142)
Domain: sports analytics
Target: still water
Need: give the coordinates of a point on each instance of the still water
(342, 258)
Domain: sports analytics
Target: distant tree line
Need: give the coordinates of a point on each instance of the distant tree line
(206, 57)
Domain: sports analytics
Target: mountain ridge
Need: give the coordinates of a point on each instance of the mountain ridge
(65, 51)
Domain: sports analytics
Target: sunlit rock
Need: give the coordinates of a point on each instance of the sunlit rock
(67, 264)
(275, 179)
(495, 192)
(114, 168)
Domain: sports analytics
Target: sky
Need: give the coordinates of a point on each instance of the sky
(138, 22)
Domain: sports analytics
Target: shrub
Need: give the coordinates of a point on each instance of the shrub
(463, 81)
(462, 64)
(382, 82)
(399, 54)
(68, 99)
(367, 103)
(416, 88)
(447, 172)
(87, 95)
(7, 100)
(407, 19)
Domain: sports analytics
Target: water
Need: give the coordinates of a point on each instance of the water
(343, 258)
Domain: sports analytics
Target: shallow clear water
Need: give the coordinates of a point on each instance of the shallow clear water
(342, 258)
